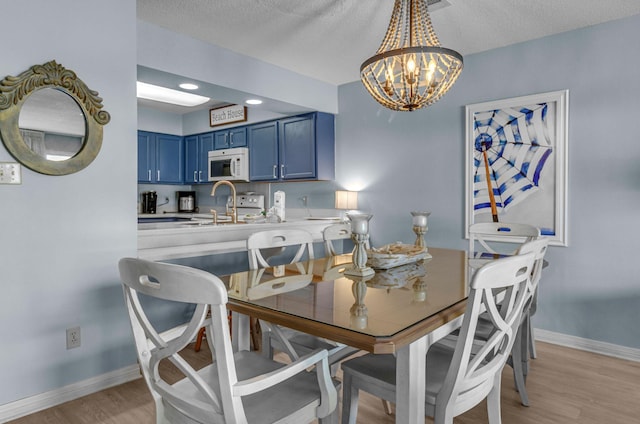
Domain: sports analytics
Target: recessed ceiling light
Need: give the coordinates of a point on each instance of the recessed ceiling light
(253, 102)
(167, 95)
(188, 86)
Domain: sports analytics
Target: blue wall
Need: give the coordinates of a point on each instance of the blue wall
(409, 161)
(62, 236)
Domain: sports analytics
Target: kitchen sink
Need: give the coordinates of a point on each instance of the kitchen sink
(200, 223)
(147, 220)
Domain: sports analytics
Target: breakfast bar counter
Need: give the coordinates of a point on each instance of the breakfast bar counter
(173, 240)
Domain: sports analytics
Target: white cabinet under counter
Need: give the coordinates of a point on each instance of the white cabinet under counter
(173, 240)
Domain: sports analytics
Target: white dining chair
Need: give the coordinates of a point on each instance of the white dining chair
(456, 379)
(519, 359)
(520, 352)
(333, 233)
(244, 387)
(293, 343)
(491, 240)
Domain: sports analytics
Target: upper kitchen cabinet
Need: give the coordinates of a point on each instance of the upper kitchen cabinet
(228, 139)
(160, 158)
(263, 151)
(196, 151)
(295, 148)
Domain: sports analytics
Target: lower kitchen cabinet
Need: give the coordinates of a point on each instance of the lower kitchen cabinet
(160, 158)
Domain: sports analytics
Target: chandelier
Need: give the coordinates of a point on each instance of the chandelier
(410, 70)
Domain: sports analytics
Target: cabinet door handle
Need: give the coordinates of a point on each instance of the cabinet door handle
(195, 176)
(149, 175)
(275, 167)
(282, 171)
(199, 176)
(158, 175)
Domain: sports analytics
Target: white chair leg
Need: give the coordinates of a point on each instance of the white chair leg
(349, 401)
(332, 418)
(387, 407)
(532, 341)
(493, 402)
(517, 354)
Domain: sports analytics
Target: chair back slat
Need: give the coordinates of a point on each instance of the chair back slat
(335, 232)
(491, 239)
(275, 241)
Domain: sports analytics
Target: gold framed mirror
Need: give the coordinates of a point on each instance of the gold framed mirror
(50, 121)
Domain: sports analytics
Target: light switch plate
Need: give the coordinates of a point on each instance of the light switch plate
(10, 173)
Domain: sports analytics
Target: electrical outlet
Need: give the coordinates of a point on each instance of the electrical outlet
(10, 173)
(73, 337)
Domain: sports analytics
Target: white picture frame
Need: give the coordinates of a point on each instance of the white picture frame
(520, 144)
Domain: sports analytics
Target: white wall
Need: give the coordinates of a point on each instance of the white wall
(164, 51)
(62, 236)
(407, 161)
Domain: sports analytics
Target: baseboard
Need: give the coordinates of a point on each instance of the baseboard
(588, 345)
(22, 407)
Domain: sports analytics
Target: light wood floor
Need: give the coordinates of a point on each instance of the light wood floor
(565, 386)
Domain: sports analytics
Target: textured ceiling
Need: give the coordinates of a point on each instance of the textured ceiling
(329, 39)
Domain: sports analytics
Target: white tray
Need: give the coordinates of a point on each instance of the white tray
(397, 277)
(395, 254)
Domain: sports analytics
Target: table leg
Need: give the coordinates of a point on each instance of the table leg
(240, 332)
(411, 362)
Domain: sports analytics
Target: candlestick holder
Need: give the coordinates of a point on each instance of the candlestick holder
(360, 236)
(420, 227)
(359, 311)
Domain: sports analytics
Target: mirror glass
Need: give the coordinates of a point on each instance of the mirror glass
(52, 124)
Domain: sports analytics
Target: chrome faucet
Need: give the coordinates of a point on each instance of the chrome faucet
(234, 210)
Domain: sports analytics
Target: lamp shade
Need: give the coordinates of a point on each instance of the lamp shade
(346, 199)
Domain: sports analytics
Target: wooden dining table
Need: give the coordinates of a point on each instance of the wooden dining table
(400, 311)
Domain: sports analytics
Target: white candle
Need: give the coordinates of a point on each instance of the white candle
(359, 223)
(420, 221)
(420, 218)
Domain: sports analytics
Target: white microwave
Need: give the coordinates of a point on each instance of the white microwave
(229, 164)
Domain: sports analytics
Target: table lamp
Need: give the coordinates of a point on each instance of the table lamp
(346, 201)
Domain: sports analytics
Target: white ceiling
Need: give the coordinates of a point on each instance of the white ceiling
(329, 39)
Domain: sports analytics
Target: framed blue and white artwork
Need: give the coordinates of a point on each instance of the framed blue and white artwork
(516, 163)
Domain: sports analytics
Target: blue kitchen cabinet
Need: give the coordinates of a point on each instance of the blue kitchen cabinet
(196, 151)
(160, 158)
(299, 148)
(263, 151)
(228, 139)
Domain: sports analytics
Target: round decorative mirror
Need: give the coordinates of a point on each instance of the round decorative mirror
(50, 121)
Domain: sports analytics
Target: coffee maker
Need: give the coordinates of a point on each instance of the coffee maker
(149, 201)
(186, 201)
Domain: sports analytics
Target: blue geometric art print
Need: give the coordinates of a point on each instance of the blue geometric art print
(516, 144)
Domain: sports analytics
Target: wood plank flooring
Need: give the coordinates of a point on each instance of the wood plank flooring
(565, 386)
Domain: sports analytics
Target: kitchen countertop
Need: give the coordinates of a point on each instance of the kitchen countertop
(199, 237)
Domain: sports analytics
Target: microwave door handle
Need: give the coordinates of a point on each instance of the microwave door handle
(235, 170)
